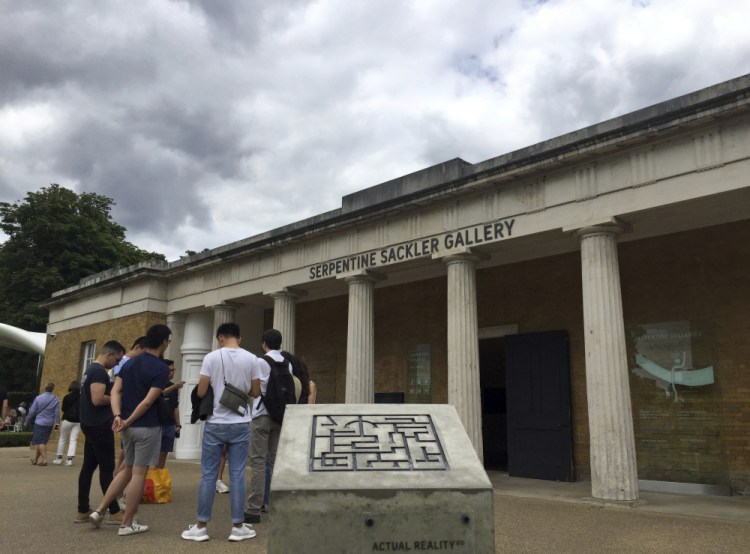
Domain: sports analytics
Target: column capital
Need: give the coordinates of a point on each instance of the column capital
(617, 227)
(467, 256)
(287, 292)
(366, 276)
(176, 317)
(224, 306)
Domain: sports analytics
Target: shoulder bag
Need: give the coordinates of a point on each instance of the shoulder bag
(233, 398)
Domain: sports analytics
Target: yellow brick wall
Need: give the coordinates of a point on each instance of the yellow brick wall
(63, 356)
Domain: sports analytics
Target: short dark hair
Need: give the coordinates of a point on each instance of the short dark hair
(228, 329)
(114, 347)
(156, 335)
(74, 385)
(139, 342)
(49, 387)
(272, 338)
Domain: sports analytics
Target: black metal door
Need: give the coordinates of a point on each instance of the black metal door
(538, 400)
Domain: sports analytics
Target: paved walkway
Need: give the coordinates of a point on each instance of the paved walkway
(39, 503)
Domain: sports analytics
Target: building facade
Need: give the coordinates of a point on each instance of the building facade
(581, 302)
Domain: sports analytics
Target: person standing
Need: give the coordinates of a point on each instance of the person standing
(45, 413)
(170, 430)
(96, 424)
(71, 424)
(234, 366)
(22, 411)
(137, 386)
(136, 350)
(265, 431)
(3, 407)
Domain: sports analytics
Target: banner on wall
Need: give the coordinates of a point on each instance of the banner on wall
(664, 352)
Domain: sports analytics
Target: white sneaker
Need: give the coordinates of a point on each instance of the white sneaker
(195, 533)
(57, 461)
(134, 528)
(121, 502)
(67, 462)
(95, 518)
(221, 487)
(242, 533)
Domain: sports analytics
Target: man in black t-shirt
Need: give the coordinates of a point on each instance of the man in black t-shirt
(96, 424)
(135, 392)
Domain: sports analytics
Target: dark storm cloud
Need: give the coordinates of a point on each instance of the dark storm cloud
(204, 133)
(210, 121)
(152, 190)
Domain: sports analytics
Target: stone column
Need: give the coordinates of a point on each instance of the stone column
(284, 316)
(464, 391)
(360, 342)
(223, 313)
(196, 344)
(176, 322)
(614, 474)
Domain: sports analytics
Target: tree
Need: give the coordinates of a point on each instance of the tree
(55, 237)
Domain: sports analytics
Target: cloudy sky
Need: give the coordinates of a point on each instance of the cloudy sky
(211, 121)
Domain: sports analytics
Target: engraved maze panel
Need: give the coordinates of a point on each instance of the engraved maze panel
(375, 443)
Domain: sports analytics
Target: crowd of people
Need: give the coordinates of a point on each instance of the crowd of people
(120, 392)
(11, 419)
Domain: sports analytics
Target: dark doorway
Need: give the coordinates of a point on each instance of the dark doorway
(389, 398)
(494, 424)
(538, 406)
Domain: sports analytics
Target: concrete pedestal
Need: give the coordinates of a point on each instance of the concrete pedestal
(378, 478)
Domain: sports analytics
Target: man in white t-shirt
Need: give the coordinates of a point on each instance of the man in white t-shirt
(265, 432)
(234, 365)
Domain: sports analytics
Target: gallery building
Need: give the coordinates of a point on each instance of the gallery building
(581, 302)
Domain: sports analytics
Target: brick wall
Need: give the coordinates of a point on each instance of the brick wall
(700, 277)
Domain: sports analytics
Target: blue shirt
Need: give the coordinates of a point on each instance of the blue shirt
(139, 375)
(46, 408)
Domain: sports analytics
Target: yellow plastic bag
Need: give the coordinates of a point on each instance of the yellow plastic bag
(158, 487)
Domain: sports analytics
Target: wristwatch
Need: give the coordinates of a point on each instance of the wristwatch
(118, 415)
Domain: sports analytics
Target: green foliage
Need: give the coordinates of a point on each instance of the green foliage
(9, 438)
(55, 238)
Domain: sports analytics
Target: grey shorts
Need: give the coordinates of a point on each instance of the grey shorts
(141, 446)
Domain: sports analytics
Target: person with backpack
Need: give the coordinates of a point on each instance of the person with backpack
(71, 424)
(272, 389)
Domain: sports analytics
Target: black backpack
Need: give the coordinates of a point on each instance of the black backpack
(279, 390)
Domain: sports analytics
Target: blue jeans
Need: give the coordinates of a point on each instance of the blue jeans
(215, 436)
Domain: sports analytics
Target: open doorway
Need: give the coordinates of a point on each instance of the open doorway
(494, 410)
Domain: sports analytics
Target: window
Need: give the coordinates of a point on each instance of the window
(420, 375)
(88, 354)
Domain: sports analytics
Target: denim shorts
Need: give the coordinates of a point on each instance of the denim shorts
(167, 438)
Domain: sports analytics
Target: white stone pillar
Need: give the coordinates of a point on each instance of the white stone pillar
(284, 316)
(176, 322)
(196, 344)
(464, 390)
(360, 340)
(223, 313)
(614, 474)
